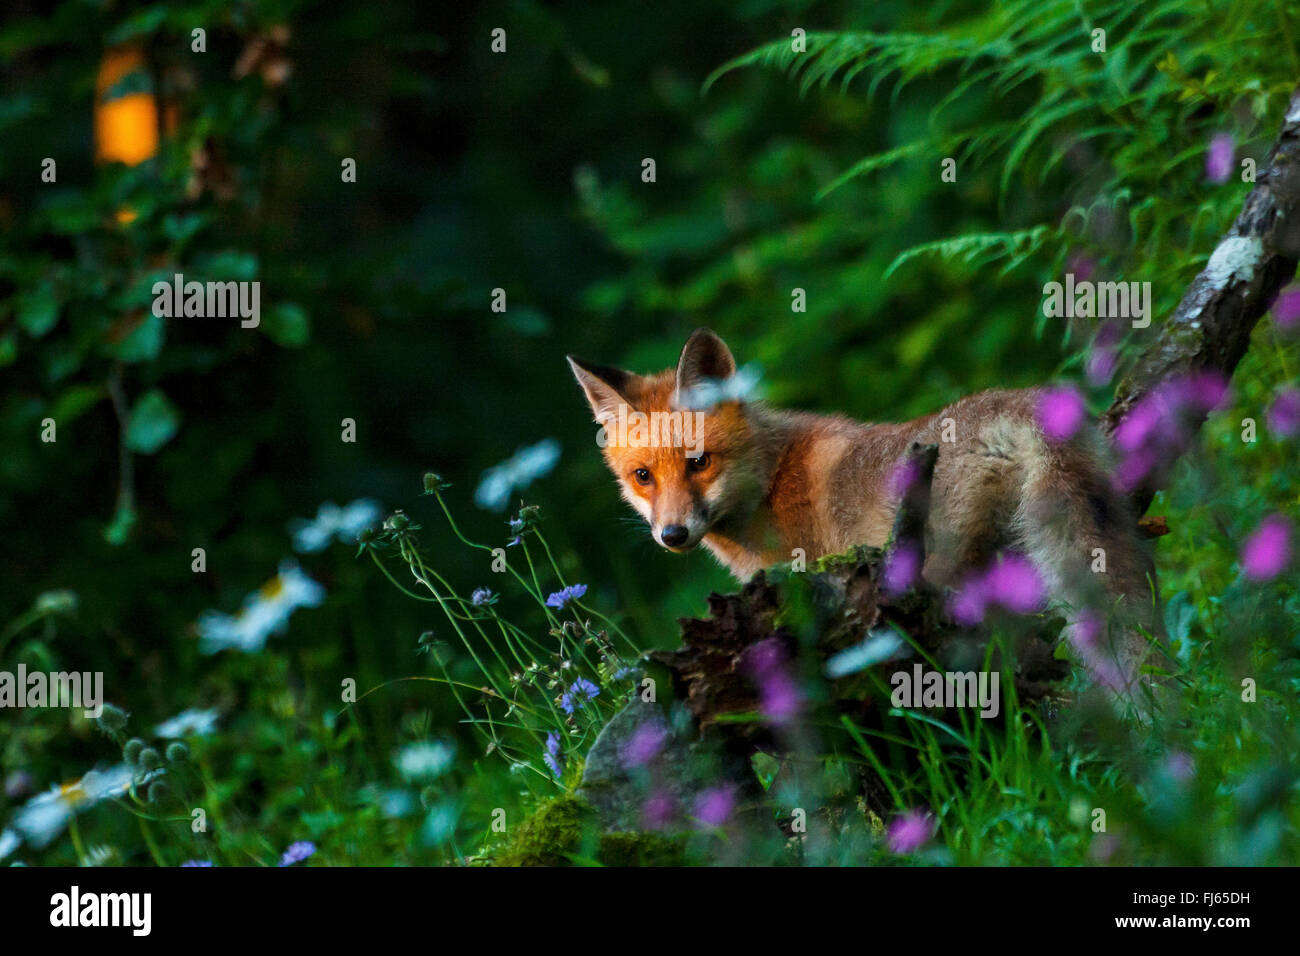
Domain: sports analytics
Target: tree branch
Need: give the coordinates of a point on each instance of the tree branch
(1211, 327)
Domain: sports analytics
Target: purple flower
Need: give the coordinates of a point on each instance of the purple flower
(1012, 583)
(1134, 467)
(713, 807)
(1286, 308)
(297, 852)
(904, 475)
(1160, 426)
(1267, 551)
(1103, 846)
(1060, 412)
(552, 753)
(778, 695)
(1080, 266)
(1284, 414)
(1218, 158)
(579, 692)
(970, 603)
(902, 568)
(197, 863)
(482, 597)
(18, 784)
(909, 832)
(560, 599)
(1085, 636)
(645, 744)
(1103, 357)
(1015, 584)
(1180, 766)
(657, 810)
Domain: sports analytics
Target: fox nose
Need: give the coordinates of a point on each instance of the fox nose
(674, 535)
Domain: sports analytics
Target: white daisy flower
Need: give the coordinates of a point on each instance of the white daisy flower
(426, 760)
(516, 473)
(331, 522)
(44, 816)
(188, 723)
(741, 386)
(265, 612)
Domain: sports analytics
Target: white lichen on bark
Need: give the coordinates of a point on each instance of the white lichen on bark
(1235, 259)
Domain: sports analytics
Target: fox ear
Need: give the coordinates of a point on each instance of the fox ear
(603, 385)
(705, 356)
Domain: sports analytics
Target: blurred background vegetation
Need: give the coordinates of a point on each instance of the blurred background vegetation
(478, 170)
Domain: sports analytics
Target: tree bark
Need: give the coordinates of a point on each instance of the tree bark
(1210, 329)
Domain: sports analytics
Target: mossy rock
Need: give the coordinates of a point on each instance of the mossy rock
(561, 828)
(627, 848)
(566, 830)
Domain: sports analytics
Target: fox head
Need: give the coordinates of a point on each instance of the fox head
(681, 444)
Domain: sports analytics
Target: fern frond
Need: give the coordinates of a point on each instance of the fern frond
(979, 248)
(872, 163)
(830, 54)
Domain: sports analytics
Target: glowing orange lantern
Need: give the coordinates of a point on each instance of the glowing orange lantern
(126, 127)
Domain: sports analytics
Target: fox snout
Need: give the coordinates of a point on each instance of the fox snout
(681, 533)
(674, 535)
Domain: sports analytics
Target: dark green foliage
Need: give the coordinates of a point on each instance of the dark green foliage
(776, 171)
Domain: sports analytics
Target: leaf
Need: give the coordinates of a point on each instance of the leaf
(143, 342)
(119, 529)
(136, 81)
(153, 422)
(528, 322)
(145, 23)
(286, 325)
(228, 265)
(978, 248)
(38, 310)
(872, 163)
(75, 400)
(72, 213)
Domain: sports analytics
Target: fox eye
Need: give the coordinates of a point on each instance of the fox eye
(643, 476)
(698, 464)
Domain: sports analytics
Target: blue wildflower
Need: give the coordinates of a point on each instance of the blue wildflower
(552, 753)
(297, 852)
(482, 597)
(579, 692)
(560, 599)
(517, 527)
(197, 863)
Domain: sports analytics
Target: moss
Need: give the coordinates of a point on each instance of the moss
(642, 849)
(549, 836)
(565, 828)
(859, 554)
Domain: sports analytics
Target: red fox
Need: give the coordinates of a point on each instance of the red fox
(753, 484)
